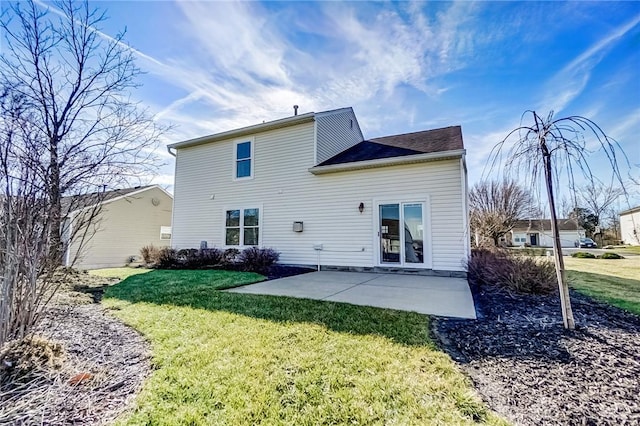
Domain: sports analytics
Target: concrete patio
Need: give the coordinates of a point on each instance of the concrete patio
(441, 296)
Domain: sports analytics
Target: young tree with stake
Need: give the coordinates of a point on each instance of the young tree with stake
(546, 149)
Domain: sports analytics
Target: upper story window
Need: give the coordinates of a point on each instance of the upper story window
(243, 165)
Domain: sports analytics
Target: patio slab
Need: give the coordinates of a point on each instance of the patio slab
(442, 296)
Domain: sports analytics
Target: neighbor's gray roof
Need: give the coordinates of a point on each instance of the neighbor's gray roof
(76, 202)
(545, 224)
(424, 142)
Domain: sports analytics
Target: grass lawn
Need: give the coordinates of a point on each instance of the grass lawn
(121, 273)
(625, 250)
(613, 281)
(236, 359)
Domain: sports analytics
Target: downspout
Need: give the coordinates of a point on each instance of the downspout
(173, 154)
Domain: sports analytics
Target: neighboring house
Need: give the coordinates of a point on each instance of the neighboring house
(311, 187)
(537, 233)
(630, 226)
(127, 220)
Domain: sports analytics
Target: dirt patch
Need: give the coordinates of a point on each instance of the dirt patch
(532, 371)
(100, 368)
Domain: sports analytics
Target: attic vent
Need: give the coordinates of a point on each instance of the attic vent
(351, 124)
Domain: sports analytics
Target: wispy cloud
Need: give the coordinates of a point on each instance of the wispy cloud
(571, 81)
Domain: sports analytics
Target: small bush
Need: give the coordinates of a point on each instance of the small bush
(254, 259)
(230, 256)
(499, 269)
(611, 256)
(167, 258)
(583, 255)
(194, 258)
(149, 254)
(212, 257)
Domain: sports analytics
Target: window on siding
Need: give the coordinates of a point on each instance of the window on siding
(165, 232)
(242, 227)
(243, 160)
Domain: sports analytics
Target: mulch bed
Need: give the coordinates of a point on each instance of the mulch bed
(282, 271)
(94, 377)
(532, 371)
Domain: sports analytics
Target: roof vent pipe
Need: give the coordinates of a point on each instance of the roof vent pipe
(295, 110)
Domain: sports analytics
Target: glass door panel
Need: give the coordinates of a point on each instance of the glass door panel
(390, 244)
(413, 233)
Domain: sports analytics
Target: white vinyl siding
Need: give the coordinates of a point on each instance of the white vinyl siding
(630, 227)
(124, 226)
(327, 204)
(337, 131)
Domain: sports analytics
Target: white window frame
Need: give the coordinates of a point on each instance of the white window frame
(251, 158)
(164, 230)
(241, 239)
(427, 244)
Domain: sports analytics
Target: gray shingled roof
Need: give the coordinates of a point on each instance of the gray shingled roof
(424, 142)
(545, 224)
(75, 202)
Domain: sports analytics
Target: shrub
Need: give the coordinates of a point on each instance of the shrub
(611, 256)
(211, 257)
(167, 258)
(149, 254)
(256, 259)
(583, 255)
(230, 256)
(194, 258)
(499, 269)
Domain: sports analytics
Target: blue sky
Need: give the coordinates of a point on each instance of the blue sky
(403, 67)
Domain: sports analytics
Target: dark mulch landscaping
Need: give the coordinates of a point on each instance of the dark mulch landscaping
(281, 271)
(532, 371)
(95, 364)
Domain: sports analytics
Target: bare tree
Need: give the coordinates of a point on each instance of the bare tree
(495, 207)
(547, 150)
(68, 130)
(598, 197)
(76, 84)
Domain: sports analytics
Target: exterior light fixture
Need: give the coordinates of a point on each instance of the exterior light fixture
(361, 207)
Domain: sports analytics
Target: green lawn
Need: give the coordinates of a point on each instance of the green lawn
(236, 359)
(613, 281)
(121, 273)
(626, 250)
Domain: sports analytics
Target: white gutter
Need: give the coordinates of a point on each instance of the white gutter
(391, 161)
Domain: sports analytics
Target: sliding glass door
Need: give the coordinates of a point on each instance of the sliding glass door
(401, 233)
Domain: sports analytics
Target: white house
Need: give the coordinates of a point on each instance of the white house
(311, 187)
(630, 226)
(537, 233)
(125, 221)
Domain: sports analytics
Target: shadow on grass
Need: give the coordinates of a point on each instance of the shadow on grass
(200, 290)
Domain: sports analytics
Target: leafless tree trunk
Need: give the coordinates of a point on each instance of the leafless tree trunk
(598, 198)
(543, 152)
(77, 87)
(69, 130)
(495, 207)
